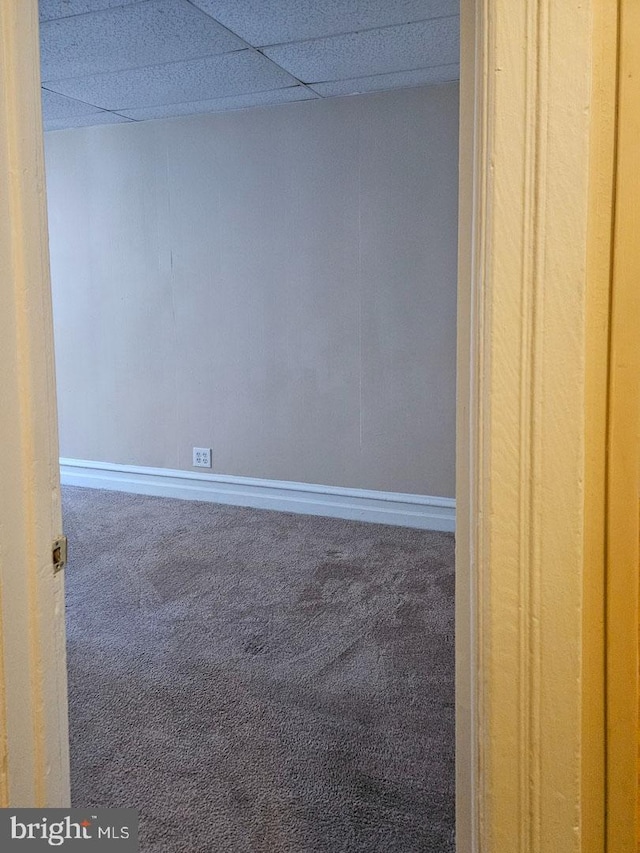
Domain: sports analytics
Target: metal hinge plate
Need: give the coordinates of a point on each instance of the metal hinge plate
(59, 553)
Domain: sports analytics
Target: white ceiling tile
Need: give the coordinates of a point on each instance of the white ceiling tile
(235, 102)
(130, 37)
(55, 106)
(157, 58)
(198, 80)
(263, 22)
(84, 121)
(50, 9)
(399, 48)
(382, 82)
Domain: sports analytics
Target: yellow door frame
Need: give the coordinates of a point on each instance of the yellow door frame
(34, 739)
(598, 325)
(623, 457)
(538, 120)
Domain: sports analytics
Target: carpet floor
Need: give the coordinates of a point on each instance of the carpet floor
(260, 682)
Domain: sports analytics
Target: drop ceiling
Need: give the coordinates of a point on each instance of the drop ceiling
(106, 61)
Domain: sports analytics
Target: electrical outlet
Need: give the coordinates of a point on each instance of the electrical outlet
(202, 457)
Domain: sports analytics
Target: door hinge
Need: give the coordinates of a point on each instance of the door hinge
(59, 553)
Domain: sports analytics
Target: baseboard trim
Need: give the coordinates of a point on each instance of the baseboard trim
(407, 510)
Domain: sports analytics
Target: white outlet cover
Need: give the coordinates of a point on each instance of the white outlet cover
(202, 457)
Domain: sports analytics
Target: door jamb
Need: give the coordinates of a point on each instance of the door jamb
(529, 382)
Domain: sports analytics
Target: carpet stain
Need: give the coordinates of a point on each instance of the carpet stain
(338, 571)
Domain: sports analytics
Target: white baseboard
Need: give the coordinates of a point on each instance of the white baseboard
(422, 511)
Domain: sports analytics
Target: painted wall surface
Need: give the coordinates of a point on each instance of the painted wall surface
(277, 284)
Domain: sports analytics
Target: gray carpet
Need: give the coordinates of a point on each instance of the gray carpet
(260, 682)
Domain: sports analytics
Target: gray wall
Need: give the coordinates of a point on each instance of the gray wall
(277, 284)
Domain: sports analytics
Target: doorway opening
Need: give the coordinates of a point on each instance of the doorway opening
(275, 287)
